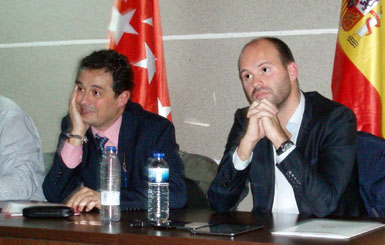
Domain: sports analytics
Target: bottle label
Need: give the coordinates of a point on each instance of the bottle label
(158, 175)
(110, 198)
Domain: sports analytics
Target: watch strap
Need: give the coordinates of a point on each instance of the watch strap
(82, 138)
(284, 147)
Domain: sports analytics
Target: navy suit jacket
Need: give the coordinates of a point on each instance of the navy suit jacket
(141, 134)
(321, 169)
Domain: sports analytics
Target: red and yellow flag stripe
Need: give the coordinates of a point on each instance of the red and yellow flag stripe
(359, 66)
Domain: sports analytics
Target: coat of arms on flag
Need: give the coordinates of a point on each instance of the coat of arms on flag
(359, 75)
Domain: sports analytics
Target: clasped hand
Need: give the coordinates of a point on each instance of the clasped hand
(263, 122)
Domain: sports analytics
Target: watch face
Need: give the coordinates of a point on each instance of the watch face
(284, 147)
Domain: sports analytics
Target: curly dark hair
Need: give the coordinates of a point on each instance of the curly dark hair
(113, 62)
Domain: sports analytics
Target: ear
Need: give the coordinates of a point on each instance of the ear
(124, 97)
(292, 69)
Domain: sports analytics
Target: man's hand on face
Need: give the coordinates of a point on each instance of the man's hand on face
(84, 199)
(78, 125)
(268, 115)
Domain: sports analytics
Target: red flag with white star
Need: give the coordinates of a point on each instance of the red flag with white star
(135, 31)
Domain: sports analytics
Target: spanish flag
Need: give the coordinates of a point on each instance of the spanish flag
(359, 65)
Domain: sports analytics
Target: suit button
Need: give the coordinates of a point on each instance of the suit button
(288, 173)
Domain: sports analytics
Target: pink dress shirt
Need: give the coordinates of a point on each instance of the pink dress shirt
(72, 155)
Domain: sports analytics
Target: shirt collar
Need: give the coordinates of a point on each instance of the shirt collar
(296, 119)
(112, 133)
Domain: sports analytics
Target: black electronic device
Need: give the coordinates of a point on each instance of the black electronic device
(48, 212)
(187, 225)
(225, 229)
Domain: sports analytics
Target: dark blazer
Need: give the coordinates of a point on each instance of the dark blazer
(321, 169)
(141, 134)
(371, 169)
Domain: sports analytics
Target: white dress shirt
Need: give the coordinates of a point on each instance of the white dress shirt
(284, 199)
(21, 160)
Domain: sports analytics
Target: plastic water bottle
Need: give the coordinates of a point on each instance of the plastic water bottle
(158, 192)
(110, 186)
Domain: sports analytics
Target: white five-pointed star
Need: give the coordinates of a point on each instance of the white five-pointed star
(163, 111)
(148, 63)
(148, 21)
(121, 24)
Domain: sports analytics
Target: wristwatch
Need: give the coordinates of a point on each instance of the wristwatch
(284, 147)
(82, 138)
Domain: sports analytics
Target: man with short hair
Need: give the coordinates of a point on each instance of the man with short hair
(296, 149)
(99, 108)
(21, 159)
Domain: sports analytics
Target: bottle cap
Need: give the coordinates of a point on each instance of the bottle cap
(111, 149)
(158, 155)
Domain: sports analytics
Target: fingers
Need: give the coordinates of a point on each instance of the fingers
(72, 102)
(72, 109)
(85, 199)
(259, 113)
(262, 105)
(260, 126)
(78, 125)
(265, 104)
(74, 92)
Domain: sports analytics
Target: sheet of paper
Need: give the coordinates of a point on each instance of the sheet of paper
(332, 229)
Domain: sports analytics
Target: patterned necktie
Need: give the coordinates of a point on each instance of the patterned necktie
(100, 142)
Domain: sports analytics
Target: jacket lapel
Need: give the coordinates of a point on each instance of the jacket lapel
(127, 141)
(307, 120)
(91, 162)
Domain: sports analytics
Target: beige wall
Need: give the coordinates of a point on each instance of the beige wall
(201, 70)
